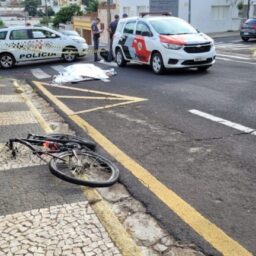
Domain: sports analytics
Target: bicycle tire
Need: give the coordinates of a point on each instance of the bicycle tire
(69, 137)
(63, 167)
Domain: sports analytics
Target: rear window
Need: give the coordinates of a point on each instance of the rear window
(21, 34)
(3, 35)
(129, 27)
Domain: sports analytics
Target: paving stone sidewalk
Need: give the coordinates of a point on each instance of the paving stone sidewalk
(40, 214)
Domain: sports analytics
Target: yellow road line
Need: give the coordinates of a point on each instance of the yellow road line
(205, 228)
(104, 107)
(88, 97)
(95, 92)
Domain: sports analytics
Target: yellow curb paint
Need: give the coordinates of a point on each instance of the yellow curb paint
(35, 112)
(205, 228)
(88, 98)
(111, 223)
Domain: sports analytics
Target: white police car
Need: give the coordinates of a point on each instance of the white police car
(28, 43)
(162, 42)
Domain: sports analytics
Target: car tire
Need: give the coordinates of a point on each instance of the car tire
(120, 61)
(69, 54)
(7, 60)
(245, 38)
(203, 68)
(157, 63)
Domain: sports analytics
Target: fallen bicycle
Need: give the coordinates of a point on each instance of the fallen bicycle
(71, 158)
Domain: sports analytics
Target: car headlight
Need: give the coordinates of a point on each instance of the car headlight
(172, 46)
(79, 40)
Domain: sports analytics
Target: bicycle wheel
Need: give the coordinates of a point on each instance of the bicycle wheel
(87, 169)
(68, 137)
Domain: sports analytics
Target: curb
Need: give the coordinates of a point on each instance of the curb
(224, 34)
(108, 219)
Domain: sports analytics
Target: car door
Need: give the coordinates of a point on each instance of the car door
(48, 43)
(142, 42)
(20, 44)
(126, 40)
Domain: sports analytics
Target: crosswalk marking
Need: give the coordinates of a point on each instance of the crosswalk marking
(39, 73)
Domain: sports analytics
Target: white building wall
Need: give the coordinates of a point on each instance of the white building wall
(133, 7)
(206, 15)
(212, 15)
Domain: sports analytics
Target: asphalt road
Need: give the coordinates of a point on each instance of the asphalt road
(208, 164)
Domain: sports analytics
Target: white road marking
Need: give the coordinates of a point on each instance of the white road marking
(223, 121)
(219, 58)
(237, 61)
(58, 68)
(234, 56)
(39, 73)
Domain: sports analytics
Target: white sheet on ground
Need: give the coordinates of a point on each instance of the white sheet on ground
(82, 72)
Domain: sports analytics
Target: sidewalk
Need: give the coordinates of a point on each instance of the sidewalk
(223, 34)
(40, 214)
(43, 215)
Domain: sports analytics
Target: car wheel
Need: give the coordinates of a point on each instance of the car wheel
(203, 68)
(245, 38)
(157, 63)
(7, 60)
(121, 62)
(69, 54)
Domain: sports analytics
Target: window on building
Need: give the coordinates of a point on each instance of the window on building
(142, 8)
(127, 10)
(220, 12)
(129, 27)
(254, 10)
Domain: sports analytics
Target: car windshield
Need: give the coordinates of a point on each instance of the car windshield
(172, 27)
(70, 33)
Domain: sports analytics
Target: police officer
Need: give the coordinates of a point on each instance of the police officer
(96, 37)
(112, 29)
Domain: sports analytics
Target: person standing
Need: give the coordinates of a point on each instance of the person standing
(96, 37)
(112, 29)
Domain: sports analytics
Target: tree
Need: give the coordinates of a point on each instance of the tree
(66, 13)
(92, 6)
(31, 6)
(1, 24)
(50, 12)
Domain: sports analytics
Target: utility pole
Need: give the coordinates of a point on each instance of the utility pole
(108, 15)
(248, 8)
(46, 12)
(189, 11)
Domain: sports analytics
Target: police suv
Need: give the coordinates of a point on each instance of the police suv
(27, 43)
(162, 42)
